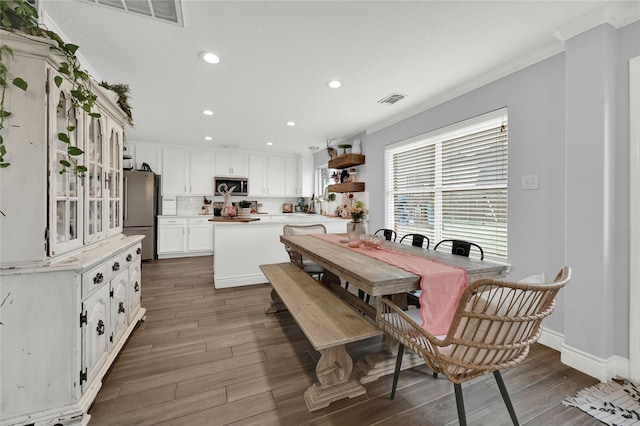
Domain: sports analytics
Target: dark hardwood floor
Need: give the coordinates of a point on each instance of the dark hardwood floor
(213, 357)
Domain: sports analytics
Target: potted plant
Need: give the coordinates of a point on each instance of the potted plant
(245, 209)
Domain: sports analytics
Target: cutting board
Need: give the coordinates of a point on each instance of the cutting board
(225, 219)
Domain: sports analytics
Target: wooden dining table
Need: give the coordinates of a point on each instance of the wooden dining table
(377, 278)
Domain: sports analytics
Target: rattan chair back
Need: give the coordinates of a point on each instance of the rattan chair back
(494, 325)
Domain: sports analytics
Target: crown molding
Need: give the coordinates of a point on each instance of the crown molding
(617, 14)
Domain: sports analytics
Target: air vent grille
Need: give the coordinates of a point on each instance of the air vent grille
(391, 99)
(164, 10)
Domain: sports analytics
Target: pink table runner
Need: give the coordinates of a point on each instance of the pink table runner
(441, 284)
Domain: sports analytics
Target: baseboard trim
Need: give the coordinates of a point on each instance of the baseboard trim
(600, 368)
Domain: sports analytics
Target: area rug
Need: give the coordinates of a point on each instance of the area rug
(611, 403)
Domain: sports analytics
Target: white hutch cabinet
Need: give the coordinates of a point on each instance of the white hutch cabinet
(69, 279)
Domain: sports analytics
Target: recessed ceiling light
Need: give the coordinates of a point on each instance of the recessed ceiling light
(209, 57)
(207, 112)
(269, 143)
(208, 138)
(291, 123)
(334, 84)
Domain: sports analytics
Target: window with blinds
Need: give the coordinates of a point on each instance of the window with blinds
(452, 184)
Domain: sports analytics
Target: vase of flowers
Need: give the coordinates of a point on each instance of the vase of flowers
(356, 227)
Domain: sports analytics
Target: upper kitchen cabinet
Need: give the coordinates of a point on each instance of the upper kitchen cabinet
(231, 163)
(257, 175)
(148, 153)
(187, 171)
(174, 171)
(274, 175)
(201, 163)
(292, 177)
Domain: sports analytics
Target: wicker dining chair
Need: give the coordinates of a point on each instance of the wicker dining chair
(309, 266)
(494, 325)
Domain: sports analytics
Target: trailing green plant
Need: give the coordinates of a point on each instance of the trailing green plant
(20, 17)
(122, 90)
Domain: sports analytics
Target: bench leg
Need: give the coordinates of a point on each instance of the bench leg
(276, 304)
(334, 379)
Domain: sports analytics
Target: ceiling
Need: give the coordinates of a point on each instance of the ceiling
(277, 56)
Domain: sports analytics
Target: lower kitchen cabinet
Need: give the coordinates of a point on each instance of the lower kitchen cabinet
(78, 310)
(171, 236)
(184, 237)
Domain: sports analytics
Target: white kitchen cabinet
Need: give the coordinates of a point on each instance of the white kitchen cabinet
(187, 172)
(201, 163)
(62, 246)
(231, 163)
(174, 171)
(149, 153)
(292, 177)
(171, 236)
(183, 237)
(275, 175)
(257, 175)
(200, 235)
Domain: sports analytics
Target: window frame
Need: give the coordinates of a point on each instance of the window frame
(429, 167)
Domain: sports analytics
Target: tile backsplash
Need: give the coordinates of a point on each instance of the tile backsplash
(192, 205)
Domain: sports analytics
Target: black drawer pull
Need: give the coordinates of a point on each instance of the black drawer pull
(100, 328)
(98, 278)
(121, 308)
(116, 266)
(136, 286)
(129, 257)
(139, 250)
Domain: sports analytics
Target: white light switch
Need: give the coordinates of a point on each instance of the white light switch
(529, 182)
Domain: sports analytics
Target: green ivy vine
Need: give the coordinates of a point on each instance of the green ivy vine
(20, 17)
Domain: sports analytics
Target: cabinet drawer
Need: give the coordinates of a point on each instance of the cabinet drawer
(94, 279)
(194, 220)
(171, 221)
(115, 265)
(132, 254)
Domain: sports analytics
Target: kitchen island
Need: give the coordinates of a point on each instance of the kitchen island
(241, 247)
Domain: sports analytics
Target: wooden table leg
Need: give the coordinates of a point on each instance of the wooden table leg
(276, 304)
(334, 379)
(373, 366)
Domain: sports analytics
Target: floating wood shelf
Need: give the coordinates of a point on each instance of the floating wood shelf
(347, 160)
(347, 187)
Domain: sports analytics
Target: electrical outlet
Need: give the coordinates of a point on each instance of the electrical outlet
(529, 182)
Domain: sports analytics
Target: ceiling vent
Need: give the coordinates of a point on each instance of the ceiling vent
(164, 10)
(391, 99)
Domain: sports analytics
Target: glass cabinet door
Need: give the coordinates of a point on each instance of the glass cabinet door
(115, 184)
(94, 158)
(65, 224)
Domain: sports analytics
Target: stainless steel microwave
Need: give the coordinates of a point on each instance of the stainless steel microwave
(240, 185)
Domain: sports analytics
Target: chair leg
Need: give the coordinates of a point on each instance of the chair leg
(505, 397)
(462, 418)
(396, 374)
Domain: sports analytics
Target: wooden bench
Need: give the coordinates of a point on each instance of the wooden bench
(329, 324)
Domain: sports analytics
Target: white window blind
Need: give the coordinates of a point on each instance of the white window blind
(452, 184)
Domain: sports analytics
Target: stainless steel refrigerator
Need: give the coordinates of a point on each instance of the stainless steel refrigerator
(141, 207)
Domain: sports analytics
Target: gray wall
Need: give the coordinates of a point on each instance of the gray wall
(568, 123)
